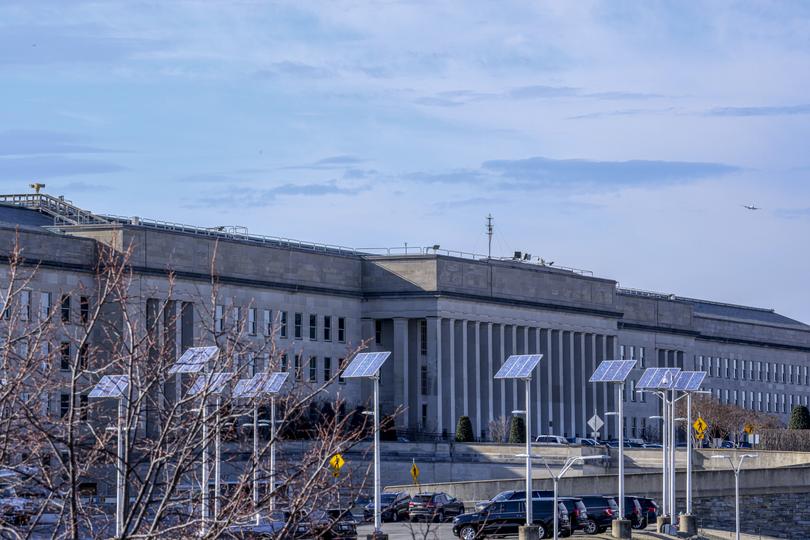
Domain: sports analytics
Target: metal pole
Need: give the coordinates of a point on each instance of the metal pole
(272, 454)
(664, 464)
(204, 479)
(672, 445)
(689, 453)
(529, 490)
(621, 450)
(256, 461)
(555, 509)
(217, 461)
(377, 524)
(737, 498)
(120, 487)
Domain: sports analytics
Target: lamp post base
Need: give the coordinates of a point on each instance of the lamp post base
(687, 524)
(377, 536)
(529, 533)
(621, 528)
(660, 523)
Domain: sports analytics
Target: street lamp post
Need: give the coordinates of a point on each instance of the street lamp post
(736, 468)
(556, 478)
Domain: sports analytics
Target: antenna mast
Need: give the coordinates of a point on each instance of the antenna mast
(490, 229)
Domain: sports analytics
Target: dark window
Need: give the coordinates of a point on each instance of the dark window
(64, 405)
(342, 329)
(84, 309)
(327, 328)
(424, 380)
(64, 354)
(83, 407)
(65, 308)
(83, 350)
(341, 380)
(327, 368)
(313, 369)
(284, 362)
(424, 415)
(298, 324)
(298, 374)
(313, 327)
(378, 332)
(283, 329)
(423, 337)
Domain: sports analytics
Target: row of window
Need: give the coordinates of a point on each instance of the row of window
(749, 370)
(46, 305)
(278, 320)
(632, 352)
(759, 401)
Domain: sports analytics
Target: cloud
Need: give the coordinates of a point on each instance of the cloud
(775, 110)
(456, 98)
(293, 69)
(620, 112)
(22, 142)
(793, 213)
(25, 169)
(330, 163)
(83, 187)
(263, 197)
(540, 173)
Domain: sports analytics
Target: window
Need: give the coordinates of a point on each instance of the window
(252, 321)
(709, 365)
(297, 368)
(725, 368)
(781, 373)
(641, 357)
(268, 322)
(423, 347)
(734, 397)
(341, 380)
(283, 329)
(284, 362)
(64, 405)
(313, 327)
(734, 372)
(25, 305)
(633, 398)
(804, 375)
(425, 417)
(759, 401)
(424, 380)
(327, 368)
(327, 328)
(341, 329)
(83, 407)
(298, 324)
(65, 307)
(313, 369)
(699, 363)
(219, 316)
(44, 306)
(759, 371)
(237, 319)
(632, 352)
(64, 355)
(83, 350)
(767, 371)
(717, 367)
(378, 331)
(84, 309)
(790, 373)
(621, 352)
(767, 402)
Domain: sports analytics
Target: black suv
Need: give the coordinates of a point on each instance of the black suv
(649, 512)
(506, 517)
(512, 495)
(632, 511)
(577, 512)
(393, 507)
(601, 512)
(434, 507)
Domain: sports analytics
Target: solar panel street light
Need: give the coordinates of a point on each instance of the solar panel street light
(268, 384)
(194, 360)
(521, 366)
(616, 371)
(367, 366)
(116, 386)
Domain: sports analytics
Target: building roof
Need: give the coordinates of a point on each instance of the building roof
(15, 216)
(745, 313)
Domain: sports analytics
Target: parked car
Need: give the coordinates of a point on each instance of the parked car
(649, 512)
(653, 445)
(269, 527)
(512, 495)
(505, 517)
(14, 510)
(577, 512)
(601, 510)
(333, 524)
(393, 507)
(552, 439)
(632, 511)
(434, 507)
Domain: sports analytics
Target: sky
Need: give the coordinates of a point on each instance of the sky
(619, 137)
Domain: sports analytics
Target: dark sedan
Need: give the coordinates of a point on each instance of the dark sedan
(393, 507)
(434, 507)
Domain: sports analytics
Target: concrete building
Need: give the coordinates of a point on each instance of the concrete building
(449, 319)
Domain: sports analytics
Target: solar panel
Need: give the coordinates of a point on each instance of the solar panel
(261, 383)
(518, 366)
(194, 360)
(216, 383)
(612, 371)
(365, 365)
(689, 381)
(110, 386)
(658, 378)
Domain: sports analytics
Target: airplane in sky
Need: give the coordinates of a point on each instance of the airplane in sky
(751, 207)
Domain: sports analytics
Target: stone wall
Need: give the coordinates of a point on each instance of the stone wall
(782, 515)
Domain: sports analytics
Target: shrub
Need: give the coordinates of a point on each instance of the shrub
(464, 430)
(799, 418)
(517, 431)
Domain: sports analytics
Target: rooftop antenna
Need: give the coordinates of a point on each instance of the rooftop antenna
(490, 229)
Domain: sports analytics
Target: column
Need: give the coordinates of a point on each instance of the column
(434, 338)
(451, 336)
(489, 374)
(500, 360)
(401, 358)
(478, 375)
(465, 360)
(538, 378)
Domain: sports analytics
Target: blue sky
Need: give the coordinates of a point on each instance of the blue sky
(620, 137)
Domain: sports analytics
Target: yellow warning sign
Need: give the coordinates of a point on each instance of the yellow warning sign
(415, 472)
(748, 429)
(699, 436)
(337, 462)
(700, 425)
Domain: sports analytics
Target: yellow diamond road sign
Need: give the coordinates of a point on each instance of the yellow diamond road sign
(337, 462)
(414, 472)
(699, 436)
(748, 428)
(700, 425)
